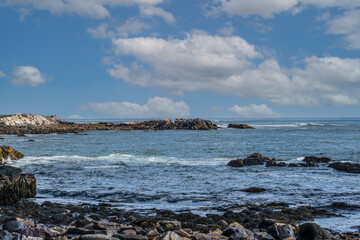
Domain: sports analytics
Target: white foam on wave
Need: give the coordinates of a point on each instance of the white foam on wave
(294, 125)
(119, 159)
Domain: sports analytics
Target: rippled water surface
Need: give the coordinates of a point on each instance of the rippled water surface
(187, 169)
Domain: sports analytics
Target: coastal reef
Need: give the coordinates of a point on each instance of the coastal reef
(9, 152)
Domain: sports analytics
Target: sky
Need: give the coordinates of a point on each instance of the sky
(85, 59)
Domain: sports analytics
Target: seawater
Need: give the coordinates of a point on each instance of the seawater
(186, 170)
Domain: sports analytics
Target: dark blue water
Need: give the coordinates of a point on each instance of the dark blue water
(180, 170)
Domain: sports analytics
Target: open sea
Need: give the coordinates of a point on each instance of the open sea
(186, 170)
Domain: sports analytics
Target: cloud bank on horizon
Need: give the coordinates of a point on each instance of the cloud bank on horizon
(233, 50)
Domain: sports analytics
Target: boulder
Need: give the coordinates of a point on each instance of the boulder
(242, 234)
(14, 185)
(282, 231)
(236, 163)
(263, 236)
(240, 126)
(346, 167)
(312, 159)
(259, 156)
(193, 124)
(312, 231)
(13, 226)
(9, 152)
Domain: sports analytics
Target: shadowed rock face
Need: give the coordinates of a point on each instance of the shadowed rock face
(240, 126)
(9, 152)
(14, 185)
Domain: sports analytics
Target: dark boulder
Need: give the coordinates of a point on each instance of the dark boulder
(236, 163)
(346, 167)
(312, 159)
(252, 161)
(259, 156)
(9, 152)
(194, 124)
(253, 190)
(14, 185)
(240, 126)
(312, 231)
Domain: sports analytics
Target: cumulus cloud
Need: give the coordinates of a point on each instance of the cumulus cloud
(130, 27)
(348, 25)
(89, 8)
(151, 11)
(28, 76)
(2, 74)
(230, 65)
(157, 107)
(254, 111)
(268, 9)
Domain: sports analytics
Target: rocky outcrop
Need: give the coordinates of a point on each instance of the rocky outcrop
(314, 232)
(9, 152)
(253, 159)
(240, 126)
(236, 163)
(62, 127)
(346, 167)
(15, 185)
(29, 119)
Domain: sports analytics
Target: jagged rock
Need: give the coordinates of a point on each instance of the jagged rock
(272, 163)
(312, 159)
(236, 163)
(40, 231)
(312, 231)
(171, 236)
(9, 152)
(263, 236)
(346, 167)
(282, 232)
(259, 156)
(13, 226)
(240, 126)
(14, 185)
(194, 124)
(242, 234)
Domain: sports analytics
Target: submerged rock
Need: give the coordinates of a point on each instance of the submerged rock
(253, 190)
(14, 185)
(312, 159)
(9, 152)
(346, 167)
(240, 126)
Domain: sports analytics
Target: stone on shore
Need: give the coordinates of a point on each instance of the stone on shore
(282, 232)
(312, 159)
(236, 163)
(9, 152)
(346, 167)
(312, 231)
(240, 126)
(14, 185)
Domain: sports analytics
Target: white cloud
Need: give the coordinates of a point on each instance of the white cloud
(230, 65)
(89, 8)
(130, 27)
(157, 107)
(254, 111)
(28, 76)
(2, 74)
(151, 11)
(227, 30)
(348, 25)
(264, 8)
(268, 9)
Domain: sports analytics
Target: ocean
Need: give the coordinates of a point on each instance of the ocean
(186, 170)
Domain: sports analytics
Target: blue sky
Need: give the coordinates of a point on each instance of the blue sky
(184, 58)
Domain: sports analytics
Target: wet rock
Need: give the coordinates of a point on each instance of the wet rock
(40, 231)
(231, 230)
(194, 124)
(267, 222)
(131, 237)
(282, 232)
(346, 167)
(242, 234)
(240, 126)
(171, 236)
(13, 226)
(273, 163)
(312, 159)
(95, 237)
(259, 156)
(14, 185)
(236, 163)
(9, 152)
(254, 190)
(263, 236)
(22, 237)
(170, 225)
(249, 161)
(312, 231)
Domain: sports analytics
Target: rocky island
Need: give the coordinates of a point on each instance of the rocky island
(20, 124)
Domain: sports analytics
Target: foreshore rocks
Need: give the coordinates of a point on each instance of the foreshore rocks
(346, 167)
(254, 159)
(62, 127)
(15, 185)
(9, 152)
(50, 221)
(240, 126)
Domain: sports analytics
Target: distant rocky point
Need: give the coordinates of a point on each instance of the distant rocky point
(21, 124)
